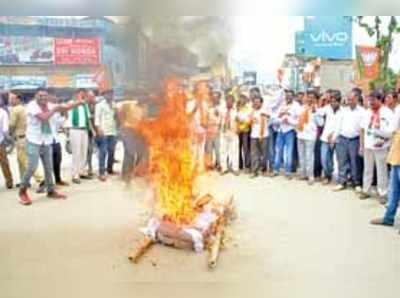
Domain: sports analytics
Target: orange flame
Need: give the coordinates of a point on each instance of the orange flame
(171, 163)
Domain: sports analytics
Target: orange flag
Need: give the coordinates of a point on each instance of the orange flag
(102, 79)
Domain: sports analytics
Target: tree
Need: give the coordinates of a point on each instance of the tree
(384, 34)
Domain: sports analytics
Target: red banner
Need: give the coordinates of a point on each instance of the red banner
(80, 51)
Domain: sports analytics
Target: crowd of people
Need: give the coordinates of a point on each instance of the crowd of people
(89, 120)
(347, 141)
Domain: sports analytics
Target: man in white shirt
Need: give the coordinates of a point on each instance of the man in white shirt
(377, 130)
(39, 136)
(230, 140)
(347, 138)
(287, 120)
(331, 117)
(213, 133)
(79, 126)
(259, 134)
(4, 163)
(307, 136)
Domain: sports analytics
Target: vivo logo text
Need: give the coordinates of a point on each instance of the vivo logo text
(325, 37)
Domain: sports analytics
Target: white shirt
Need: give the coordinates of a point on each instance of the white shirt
(4, 124)
(332, 120)
(258, 116)
(310, 130)
(34, 132)
(376, 139)
(350, 122)
(229, 124)
(292, 115)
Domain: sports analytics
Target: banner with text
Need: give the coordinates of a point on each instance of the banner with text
(81, 51)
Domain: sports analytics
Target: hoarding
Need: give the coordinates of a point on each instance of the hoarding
(329, 37)
(86, 81)
(17, 50)
(27, 82)
(80, 51)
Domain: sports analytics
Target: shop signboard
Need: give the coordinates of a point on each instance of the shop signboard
(79, 51)
(85, 81)
(27, 82)
(20, 50)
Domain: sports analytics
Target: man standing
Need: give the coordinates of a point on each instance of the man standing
(18, 131)
(243, 125)
(230, 141)
(106, 128)
(287, 119)
(39, 136)
(306, 137)
(92, 99)
(331, 116)
(259, 134)
(394, 184)
(348, 143)
(213, 134)
(377, 129)
(59, 121)
(5, 166)
(79, 126)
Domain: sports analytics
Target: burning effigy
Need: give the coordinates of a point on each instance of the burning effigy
(180, 218)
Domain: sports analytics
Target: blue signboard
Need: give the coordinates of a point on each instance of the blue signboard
(328, 37)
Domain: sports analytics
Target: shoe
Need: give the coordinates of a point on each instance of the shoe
(358, 189)
(302, 178)
(273, 175)
(62, 183)
(9, 185)
(85, 177)
(253, 176)
(103, 178)
(379, 222)
(41, 188)
(236, 173)
(24, 198)
(364, 196)
(383, 200)
(311, 182)
(339, 187)
(326, 181)
(289, 177)
(223, 173)
(76, 181)
(114, 173)
(56, 195)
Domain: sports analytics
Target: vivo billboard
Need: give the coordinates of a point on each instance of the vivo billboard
(329, 37)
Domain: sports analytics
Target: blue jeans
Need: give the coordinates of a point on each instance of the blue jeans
(106, 146)
(271, 148)
(284, 150)
(349, 160)
(393, 196)
(327, 159)
(45, 153)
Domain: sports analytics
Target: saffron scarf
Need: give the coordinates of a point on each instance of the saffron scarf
(304, 119)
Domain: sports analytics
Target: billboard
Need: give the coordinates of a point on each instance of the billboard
(17, 50)
(80, 51)
(27, 82)
(86, 81)
(329, 37)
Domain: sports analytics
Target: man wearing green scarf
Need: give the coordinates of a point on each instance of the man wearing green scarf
(79, 126)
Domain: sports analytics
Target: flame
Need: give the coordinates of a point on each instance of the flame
(171, 162)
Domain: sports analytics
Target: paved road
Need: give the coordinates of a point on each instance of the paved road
(291, 240)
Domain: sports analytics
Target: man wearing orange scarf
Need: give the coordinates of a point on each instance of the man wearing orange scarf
(307, 136)
(377, 130)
